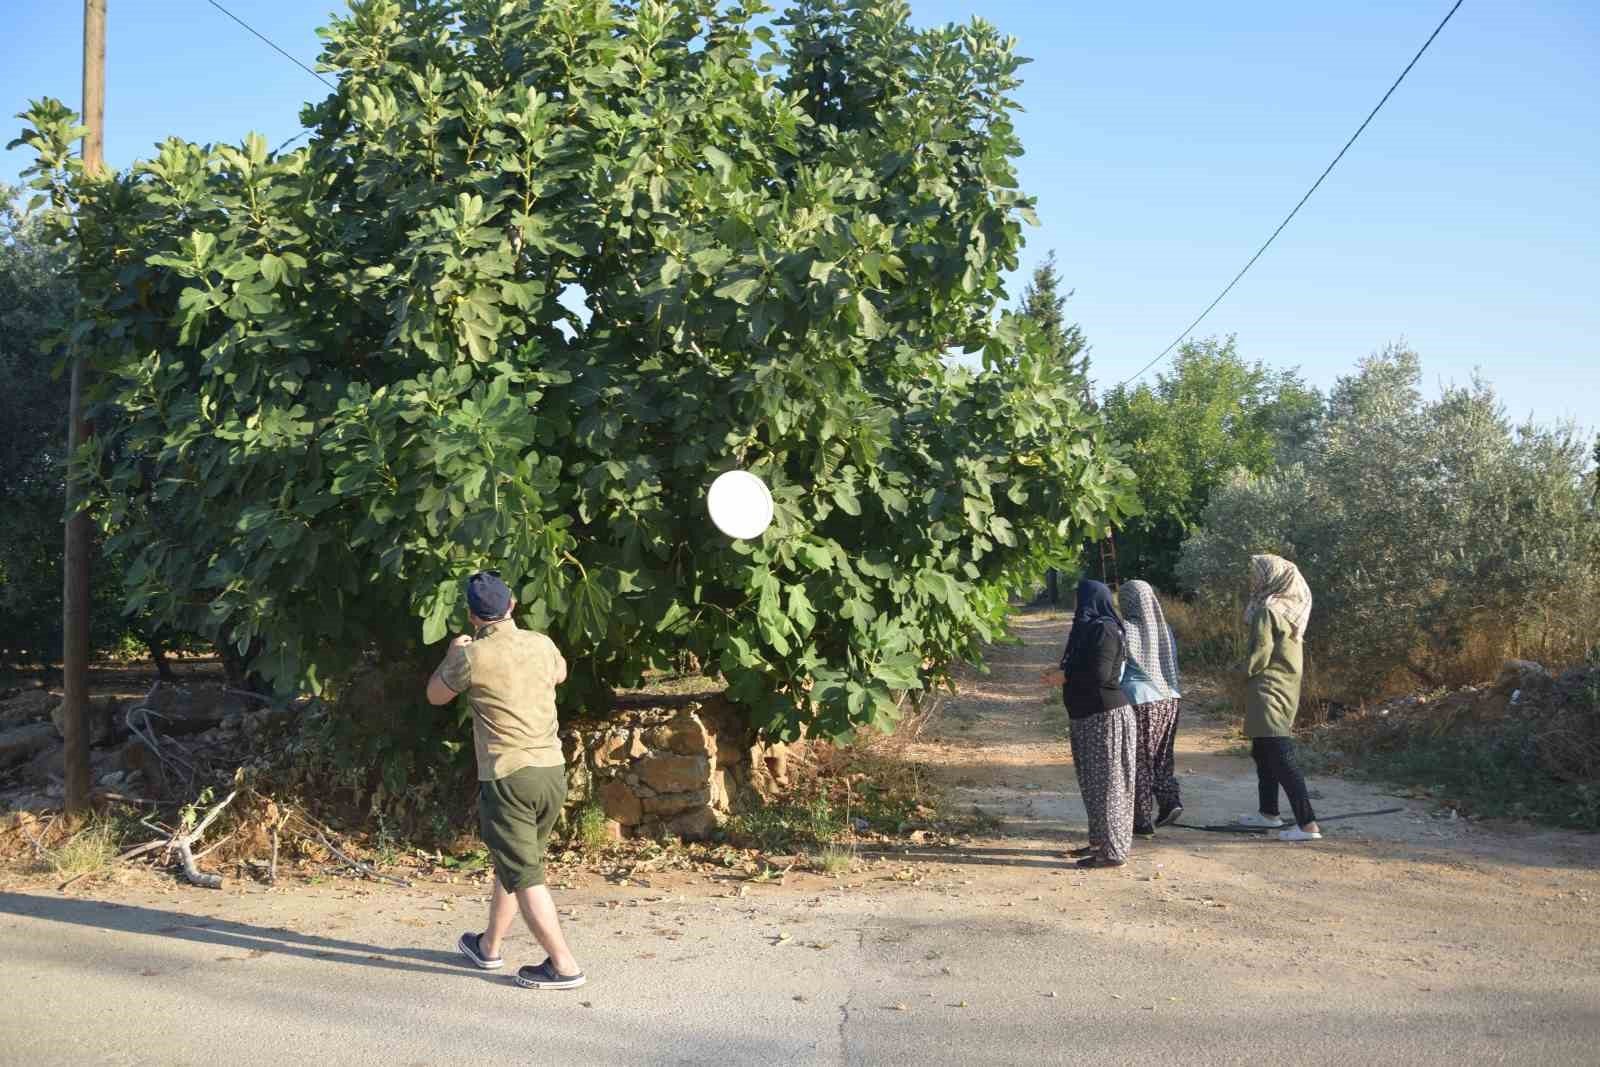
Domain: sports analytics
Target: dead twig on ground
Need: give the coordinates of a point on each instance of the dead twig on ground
(361, 868)
(192, 872)
(74, 878)
(182, 842)
(139, 850)
(146, 735)
(125, 799)
(225, 839)
(277, 827)
(37, 842)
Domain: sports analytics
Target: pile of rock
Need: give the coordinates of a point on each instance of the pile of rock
(679, 771)
(208, 716)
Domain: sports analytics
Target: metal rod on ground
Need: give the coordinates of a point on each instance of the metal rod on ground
(75, 550)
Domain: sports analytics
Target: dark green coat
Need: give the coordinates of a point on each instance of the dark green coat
(1274, 670)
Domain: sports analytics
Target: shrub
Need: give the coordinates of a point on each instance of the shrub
(1538, 758)
(1437, 539)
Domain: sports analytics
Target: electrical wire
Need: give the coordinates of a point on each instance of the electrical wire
(271, 45)
(1314, 185)
(291, 140)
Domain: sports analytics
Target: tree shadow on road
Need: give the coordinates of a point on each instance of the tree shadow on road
(251, 941)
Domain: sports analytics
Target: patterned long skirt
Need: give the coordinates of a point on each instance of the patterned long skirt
(1158, 773)
(1105, 752)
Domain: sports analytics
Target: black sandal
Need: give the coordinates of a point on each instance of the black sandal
(1099, 862)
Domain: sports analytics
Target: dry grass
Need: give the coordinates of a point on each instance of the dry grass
(834, 860)
(88, 851)
(1210, 632)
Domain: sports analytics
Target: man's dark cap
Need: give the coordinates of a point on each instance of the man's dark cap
(487, 596)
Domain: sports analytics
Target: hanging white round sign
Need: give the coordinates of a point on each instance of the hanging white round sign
(740, 504)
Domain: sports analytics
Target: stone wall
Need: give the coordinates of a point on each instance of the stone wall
(679, 766)
(671, 770)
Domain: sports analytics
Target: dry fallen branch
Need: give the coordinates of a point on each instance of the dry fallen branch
(38, 842)
(140, 850)
(146, 736)
(277, 827)
(358, 866)
(193, 873)
(225, 839)
(123, 798)
(182, 842)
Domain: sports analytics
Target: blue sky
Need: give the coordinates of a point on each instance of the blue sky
(1165, 141)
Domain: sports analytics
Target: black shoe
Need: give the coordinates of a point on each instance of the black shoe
(471, 946)
(545, 976)
(1080, 853)
(1169, 814)
(1098, 862)
(1144, 831)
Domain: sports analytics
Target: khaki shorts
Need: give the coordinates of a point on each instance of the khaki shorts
(515, 816)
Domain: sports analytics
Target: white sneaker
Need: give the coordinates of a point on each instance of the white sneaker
(1250, 818)
(1297, 834)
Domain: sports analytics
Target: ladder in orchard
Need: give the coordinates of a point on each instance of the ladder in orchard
(1108, 560)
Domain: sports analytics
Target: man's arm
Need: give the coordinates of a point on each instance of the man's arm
(439, 690)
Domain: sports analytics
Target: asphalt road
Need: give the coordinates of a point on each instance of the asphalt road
(997, 955)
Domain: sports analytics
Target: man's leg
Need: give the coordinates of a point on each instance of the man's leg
(539, 912)
(502, 912)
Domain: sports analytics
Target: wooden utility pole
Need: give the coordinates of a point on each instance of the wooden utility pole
(79, 542)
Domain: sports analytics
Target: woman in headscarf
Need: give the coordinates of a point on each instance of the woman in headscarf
(1151, 683)
(1102, 726)
(1276, 618)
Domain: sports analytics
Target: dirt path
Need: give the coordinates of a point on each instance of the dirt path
(1402, 938)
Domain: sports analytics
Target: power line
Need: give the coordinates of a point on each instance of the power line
(291, 140)
(271, 45)
(1314, 185)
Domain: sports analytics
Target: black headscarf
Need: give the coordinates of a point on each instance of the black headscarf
(1094, 606)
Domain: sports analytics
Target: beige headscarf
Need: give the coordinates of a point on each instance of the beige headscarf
(1276, 586)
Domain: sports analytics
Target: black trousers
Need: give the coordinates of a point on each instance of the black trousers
(1275, 767)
